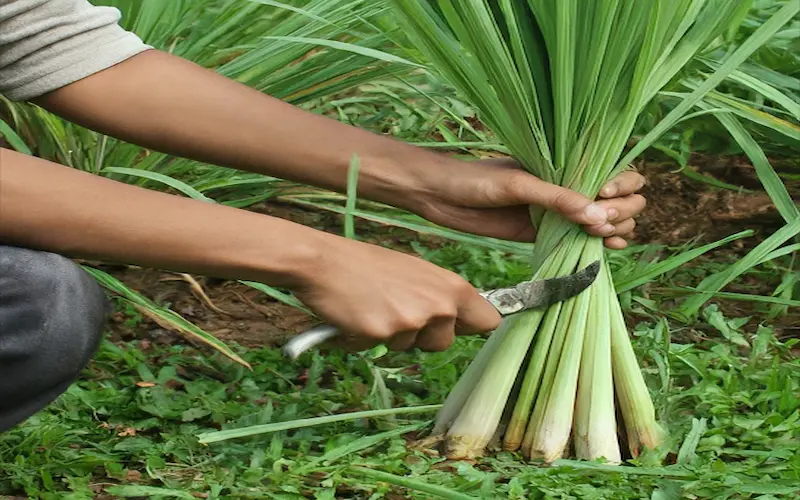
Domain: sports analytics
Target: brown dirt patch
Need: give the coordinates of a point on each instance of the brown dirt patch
(250, 317)
(681, 209)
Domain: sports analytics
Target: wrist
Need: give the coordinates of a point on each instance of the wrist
(291, 256)
(405, 178)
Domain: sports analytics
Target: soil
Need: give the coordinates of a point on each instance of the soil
(679, 210)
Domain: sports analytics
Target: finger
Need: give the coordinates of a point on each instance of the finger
(624, 227)
(438, 335)
(525, 189)
(477, 315)
(602, 230)
(622, 185)
(624, 207)
(612, 229)
(402, 341)
(354, 343)
(615, 243)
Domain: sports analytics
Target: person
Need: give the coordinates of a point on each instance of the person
(74, 59)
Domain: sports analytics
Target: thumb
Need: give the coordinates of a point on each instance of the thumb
(571, 204)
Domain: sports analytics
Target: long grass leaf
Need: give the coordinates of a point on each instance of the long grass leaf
(14, 140)
(163, 179)
(716, 282)
(348, 47)
(747, 48)
(651, 272)
(766, 174)
(410, 483)
(217, 436)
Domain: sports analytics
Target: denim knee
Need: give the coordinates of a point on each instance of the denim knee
(52, 316)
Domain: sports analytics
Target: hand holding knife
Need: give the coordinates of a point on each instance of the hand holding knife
(510, 300)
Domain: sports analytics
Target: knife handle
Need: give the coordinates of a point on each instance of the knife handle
(300, 343)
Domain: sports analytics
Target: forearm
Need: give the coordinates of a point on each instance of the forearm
(171, 105)
(50, 207)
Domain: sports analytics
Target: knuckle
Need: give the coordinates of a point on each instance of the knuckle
(565, 201)
(378, 330)
(517, 184)
(458, 285)
(492, 322)
(446, 311)
(560, 198)
(625, 227)
(515, 180)
(401, 343)
(410, 323)
(438, 340)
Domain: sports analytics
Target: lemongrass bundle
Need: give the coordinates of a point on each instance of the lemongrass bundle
(562, 83)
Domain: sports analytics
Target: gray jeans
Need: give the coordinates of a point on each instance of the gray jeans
(52, 315)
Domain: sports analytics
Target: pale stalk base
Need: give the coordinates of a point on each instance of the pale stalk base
(595, 417)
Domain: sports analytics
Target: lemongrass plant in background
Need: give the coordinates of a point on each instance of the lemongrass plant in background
(562, 84)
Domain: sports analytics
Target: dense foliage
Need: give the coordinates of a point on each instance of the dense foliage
(725, 383)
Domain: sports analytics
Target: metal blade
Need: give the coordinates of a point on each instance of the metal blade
(534, 294)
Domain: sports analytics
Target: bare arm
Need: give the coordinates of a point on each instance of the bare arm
(169, 104)
(375, 294)
(48, 206)
(172, 105)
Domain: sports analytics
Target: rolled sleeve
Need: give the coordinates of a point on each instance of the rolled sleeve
(47, 44)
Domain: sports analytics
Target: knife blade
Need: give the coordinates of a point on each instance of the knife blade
(523, 296)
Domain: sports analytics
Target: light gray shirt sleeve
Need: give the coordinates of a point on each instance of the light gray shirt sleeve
(47, 44)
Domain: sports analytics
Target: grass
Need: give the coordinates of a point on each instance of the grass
(130, 426)
(726, 384)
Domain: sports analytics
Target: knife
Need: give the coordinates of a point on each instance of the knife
(520, 297)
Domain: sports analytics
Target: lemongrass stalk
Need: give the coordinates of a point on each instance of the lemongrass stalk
(533, 373)
(636, 406)
(548, 377)
(519, 62)
(532, 381)
(481, 413)
(554, 430)
(595, 434)
(551, 360)
(478, 419)
(466, 383)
